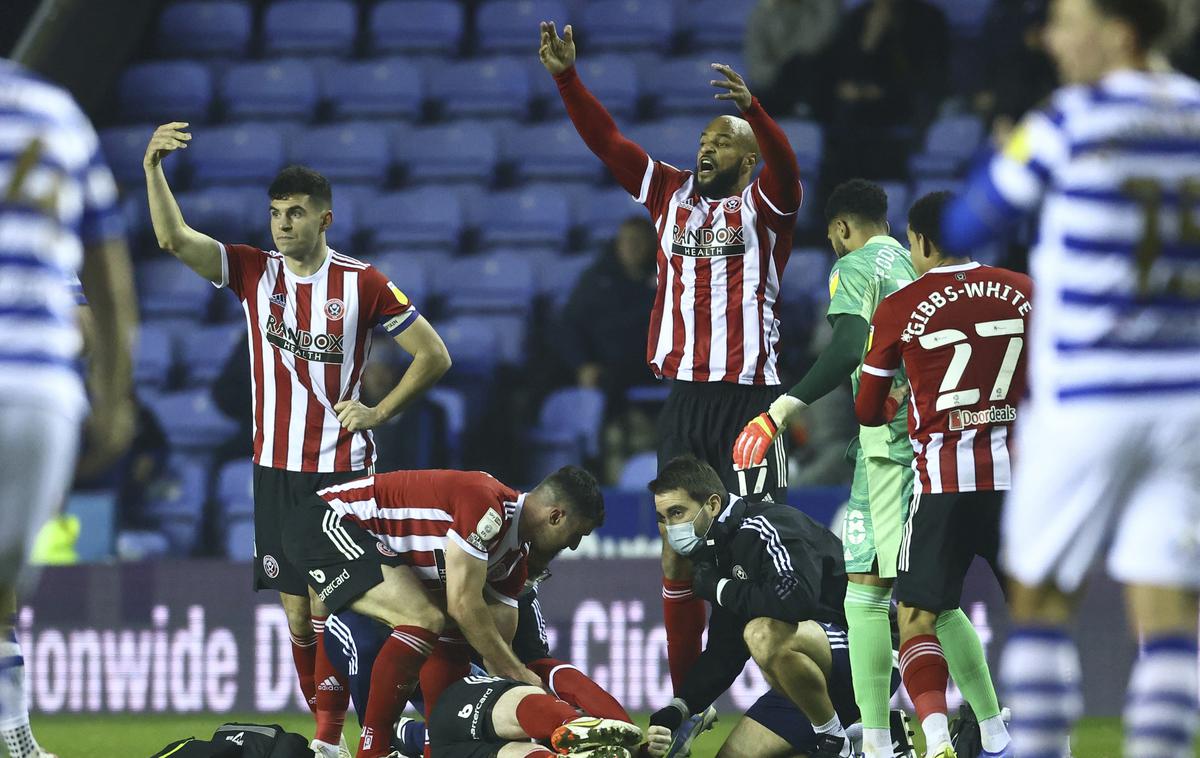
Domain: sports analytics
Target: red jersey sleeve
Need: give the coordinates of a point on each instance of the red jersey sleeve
(658, 184)
(241, 268)
(508, 589)
(777, 190)
(385, 303)
(880, 365)
(476, 502)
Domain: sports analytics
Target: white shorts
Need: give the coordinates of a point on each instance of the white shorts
(38, 447)
(1089, 473)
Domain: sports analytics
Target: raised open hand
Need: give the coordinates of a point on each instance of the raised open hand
(557, 53)
(738, 92)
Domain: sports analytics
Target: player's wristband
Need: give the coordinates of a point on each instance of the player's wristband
(785, 408)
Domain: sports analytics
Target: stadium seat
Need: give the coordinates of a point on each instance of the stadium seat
(569, 429)
(601, 212)
(495, 87)
(627, 25)
(558, 276)
(350, 152)
(310, 27)
(499, 281)
(125, 146)
(412, 218)
(455, 151)
(416, 26)
(141, 545)
(408, 272)
(191, 421)
(899, 202)
(283, 88)
(229, 214)
(239, 539)
(713, 24)
(806, 276)
(166, 287)
(529, 216)
(639, 469)
(235, 154)
(471, 340)
(681, 85)
(154, 356)
(235, 489)
(510, 26)
(384, 88)
(165, 91)
(178, 505)
(949, 144)
(675, 140)
(204, 28)
(453, 405)
(204, 349)
(808, 141)
(550, 151)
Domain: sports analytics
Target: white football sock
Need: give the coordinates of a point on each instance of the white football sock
(1040, 671)
(1160, 712)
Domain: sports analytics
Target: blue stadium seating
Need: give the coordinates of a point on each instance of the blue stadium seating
(527, 216)
(510, 26)
(229, 214)
(949, 144)
(613, 79)
(204, 349)
(626, 25)
(200, 28)
(638, 470)
(408, 272)
(349, 152)
(498, 281)
(235, 154)
(191, 421)
(568, 430)
(284, 88)
(558, 275)
(310, 27)
(235, 489)
(602, 211)
(166, 287)
(179, 506)
(714, 24)
(239, 539)
(455, 151)
(675, 140)
(154, 356)
(416, 26)
(806, 276)
(412, 218)
(550, 151)
(923, 187)
(681, 85)
(140, 545)
(899, 201)
(493, 87)
(383, 88)
(965, 17)
(808, 142)
(471, 340)
(125, 146)
(165, 91)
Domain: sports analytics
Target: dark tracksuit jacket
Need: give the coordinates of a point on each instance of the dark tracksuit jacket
(776, 562)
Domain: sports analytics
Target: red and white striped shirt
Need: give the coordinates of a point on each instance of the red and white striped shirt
(959, 333)
(309, 339)
(719, 266)
(416, 513)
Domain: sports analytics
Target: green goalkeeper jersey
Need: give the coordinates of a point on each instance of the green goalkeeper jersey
(858, 283)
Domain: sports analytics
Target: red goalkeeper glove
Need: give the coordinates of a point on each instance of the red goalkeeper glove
(750, 449)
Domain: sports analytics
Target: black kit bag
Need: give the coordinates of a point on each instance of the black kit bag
(235, 740)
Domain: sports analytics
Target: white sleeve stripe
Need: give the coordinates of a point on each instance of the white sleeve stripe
(645, 190)
(466, 546)
(767, 200)
(720, 586)
(766, 530)
(884, 372)
(492, 592)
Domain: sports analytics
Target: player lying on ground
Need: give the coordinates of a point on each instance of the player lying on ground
(777, 581)
(1107, 438)
(493, 717)
(724, 238)
(871, 265)
(958, 335)
(423, 551)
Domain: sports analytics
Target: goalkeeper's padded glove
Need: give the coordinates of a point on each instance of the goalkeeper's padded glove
(752, 444)
(672, 716)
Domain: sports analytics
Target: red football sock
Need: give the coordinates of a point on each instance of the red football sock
(925, 673)
(574, 686)
(304, 654)
(685, 618)
(393, 677)
(542, 752)
(540, 715)
(450, 661)
(333, 691)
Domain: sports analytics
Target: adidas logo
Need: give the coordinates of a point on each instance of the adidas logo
(331, 684)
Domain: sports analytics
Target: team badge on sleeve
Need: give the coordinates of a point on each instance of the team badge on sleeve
(834, 278)
(489, 526)
(400, 296)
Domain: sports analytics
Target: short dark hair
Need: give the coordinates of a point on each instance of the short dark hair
(690, 474)
(579, 491)
(1149, 18)
(860, 198)
(301, 180)
(925, 216)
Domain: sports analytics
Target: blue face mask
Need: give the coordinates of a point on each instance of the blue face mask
(683, 538)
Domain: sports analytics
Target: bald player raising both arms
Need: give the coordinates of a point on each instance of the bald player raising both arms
(723, 243)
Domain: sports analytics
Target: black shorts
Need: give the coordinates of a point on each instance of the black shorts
(943, 535)
(705, 418)
(530, 642)
(461, 723)
(339, 558)
(276, 493)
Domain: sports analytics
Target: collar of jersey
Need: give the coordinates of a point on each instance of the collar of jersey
(883, 239)
(314, 276)
(952, 269)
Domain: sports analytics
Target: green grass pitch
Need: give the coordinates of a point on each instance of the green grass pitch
(99, 736)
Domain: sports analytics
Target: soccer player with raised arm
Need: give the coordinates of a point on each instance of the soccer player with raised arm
(958, 334)
(871, 265)
(1111, 166)
(310, 312)
(724, 240)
